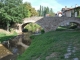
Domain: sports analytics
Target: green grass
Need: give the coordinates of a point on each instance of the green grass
(6, 36)
(48, 43)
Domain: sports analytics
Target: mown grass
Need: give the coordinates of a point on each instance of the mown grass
(48, 43)
(6, 36)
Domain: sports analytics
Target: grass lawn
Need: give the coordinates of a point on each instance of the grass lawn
(56, 42)
(6, 36)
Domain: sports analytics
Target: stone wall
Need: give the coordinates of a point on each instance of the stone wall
(50, 23)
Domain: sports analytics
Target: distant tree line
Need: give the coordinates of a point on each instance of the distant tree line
(43, 11)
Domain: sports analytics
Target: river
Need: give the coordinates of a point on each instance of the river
(16, 46)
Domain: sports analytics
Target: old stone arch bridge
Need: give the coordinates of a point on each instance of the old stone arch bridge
(49, 23)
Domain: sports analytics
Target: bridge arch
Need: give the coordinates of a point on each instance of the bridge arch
(67, 21)
(27, 21)
(50, 23)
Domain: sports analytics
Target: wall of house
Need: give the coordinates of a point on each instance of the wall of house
(77, 11)
(68, 13)
(75, 14)
(72, 13)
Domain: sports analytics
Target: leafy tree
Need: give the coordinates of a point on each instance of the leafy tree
(29, 10)
(33, 12)
(26, 12)
(10, 12)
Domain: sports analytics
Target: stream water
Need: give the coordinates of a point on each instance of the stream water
(17, 46)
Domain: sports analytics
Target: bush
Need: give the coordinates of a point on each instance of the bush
(42, 31)
(25, 30)
(73, 27)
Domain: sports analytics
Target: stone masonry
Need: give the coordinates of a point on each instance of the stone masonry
(49, 23)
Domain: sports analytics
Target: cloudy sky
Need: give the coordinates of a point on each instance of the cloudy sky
(55, 4)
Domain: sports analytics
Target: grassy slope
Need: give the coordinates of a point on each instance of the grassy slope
(55, 41)
(4, 36)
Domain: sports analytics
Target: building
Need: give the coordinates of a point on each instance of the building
(59, 14)
(71, 12)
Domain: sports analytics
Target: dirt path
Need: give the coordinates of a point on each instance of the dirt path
(4, 51)
(71, 52)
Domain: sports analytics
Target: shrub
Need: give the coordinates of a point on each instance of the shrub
(42, 31)
(73, 27)
(25, 30)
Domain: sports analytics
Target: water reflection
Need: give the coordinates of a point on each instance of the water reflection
(16, 46)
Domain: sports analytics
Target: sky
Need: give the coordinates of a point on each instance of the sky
(56, 5)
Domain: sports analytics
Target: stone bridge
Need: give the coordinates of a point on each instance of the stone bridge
(49, 23)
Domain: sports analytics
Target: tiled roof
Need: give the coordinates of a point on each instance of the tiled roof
(68, 9)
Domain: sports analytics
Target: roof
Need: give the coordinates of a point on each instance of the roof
(68, 9)
(59, 12)
(77, 7)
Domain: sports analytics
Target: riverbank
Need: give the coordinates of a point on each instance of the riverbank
(13, 44)
(53, 46)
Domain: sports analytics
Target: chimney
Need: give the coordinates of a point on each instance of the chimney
(65, 7)
(76, 5)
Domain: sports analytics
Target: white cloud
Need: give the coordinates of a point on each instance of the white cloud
(50, 3)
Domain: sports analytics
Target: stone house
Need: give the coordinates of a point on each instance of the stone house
(71, 12)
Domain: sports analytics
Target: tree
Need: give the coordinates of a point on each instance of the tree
(51, 12)
(45, 10)
(29, 10)
(26, 12)
(11, 12)
(40, 12)
(33, 12)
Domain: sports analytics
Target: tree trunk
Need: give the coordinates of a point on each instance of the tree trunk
(8, 26)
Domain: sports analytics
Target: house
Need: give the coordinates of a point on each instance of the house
(77, 11)
(47, 15)
(66, 11)
(59, 14)
(71, 12)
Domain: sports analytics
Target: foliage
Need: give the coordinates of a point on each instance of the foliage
(42, 31)
(10, 12)
(43, 11)
(29, 10)
(25, 30)
(32, 27)
(52, 42)
(73, 27)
